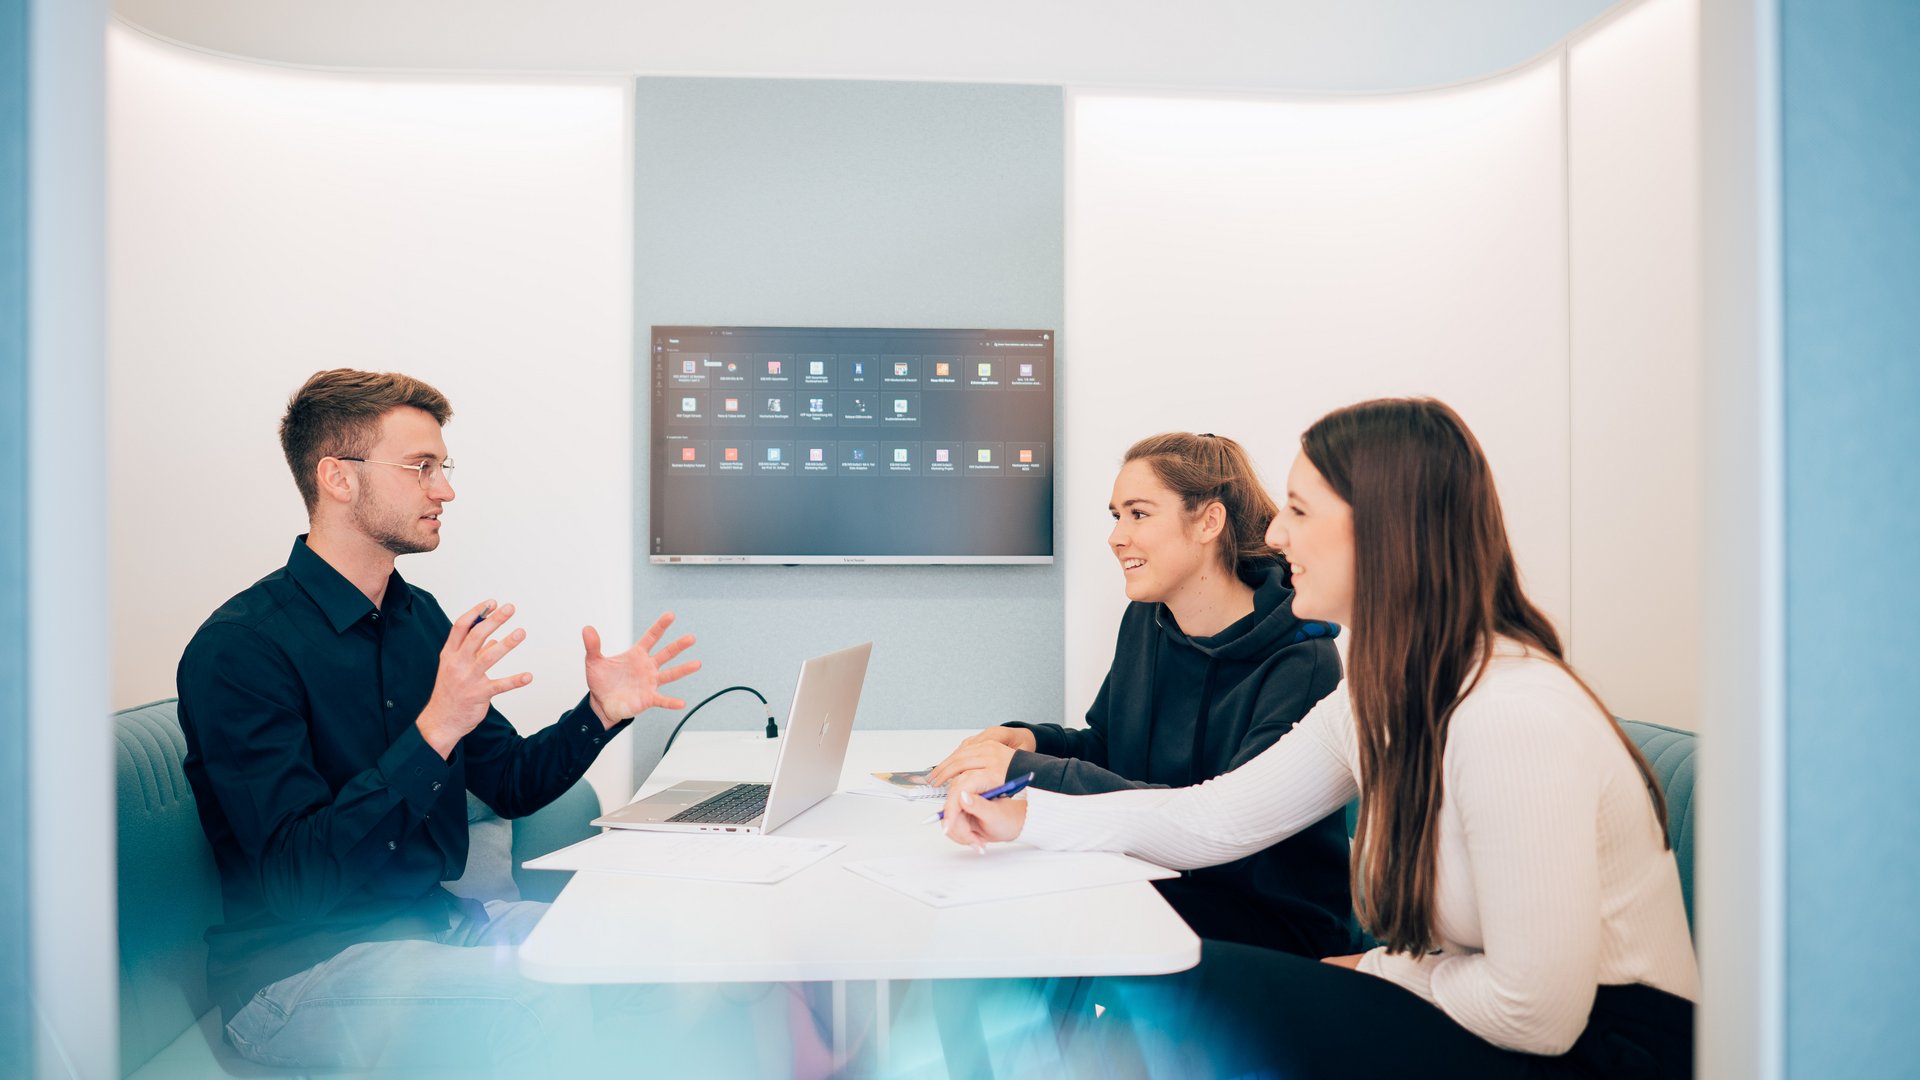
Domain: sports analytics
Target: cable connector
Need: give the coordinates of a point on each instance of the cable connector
(773, 730)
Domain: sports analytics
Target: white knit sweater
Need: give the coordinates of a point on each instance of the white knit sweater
(1552, 877)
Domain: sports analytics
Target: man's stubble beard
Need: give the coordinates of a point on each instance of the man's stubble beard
(389, 530)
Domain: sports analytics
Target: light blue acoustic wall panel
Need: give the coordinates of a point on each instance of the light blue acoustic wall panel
(820, 203)
(16, 1049)
(1850, 180)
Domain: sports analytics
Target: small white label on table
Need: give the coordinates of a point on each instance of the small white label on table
(1003, 873)
(759, 860)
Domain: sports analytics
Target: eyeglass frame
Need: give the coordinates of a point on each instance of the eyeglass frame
(419, 469)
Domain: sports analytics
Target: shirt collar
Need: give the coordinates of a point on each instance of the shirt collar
(338, 599)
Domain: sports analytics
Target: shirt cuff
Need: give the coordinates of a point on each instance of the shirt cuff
(1044, 826)
(1414, 973)
(1047, 771)
(414, 771)
(581, 729)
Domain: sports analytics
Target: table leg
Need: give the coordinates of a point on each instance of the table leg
(839, 1047)
(882, 1022)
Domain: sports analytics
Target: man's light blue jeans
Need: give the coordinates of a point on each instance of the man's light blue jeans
(456, 1001)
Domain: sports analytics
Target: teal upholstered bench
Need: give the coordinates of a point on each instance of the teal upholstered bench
(170, 894)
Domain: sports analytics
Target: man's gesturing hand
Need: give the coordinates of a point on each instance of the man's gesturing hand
(462, 689)
(627, 684)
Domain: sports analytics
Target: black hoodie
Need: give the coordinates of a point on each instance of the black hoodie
(1176, 711)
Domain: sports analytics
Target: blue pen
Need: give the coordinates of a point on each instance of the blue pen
(1007, 788)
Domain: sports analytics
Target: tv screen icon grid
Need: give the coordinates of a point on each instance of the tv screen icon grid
(899, 369)
(1026, 458)
(816, 457)
(816, 369)
(685, 369)
(730, 457)
(859, 458)
(857, 370)
(774, 369)
(985, 459)
(899, 408)
(1025, 373)
(900, 458)
(686, 406)
(815, 406)
(773, 407)
(941, 458)
(860, 408)
(686, 455)
(773, 459)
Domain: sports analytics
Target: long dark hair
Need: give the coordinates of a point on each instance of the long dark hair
(1434, 586)
(1209, 468)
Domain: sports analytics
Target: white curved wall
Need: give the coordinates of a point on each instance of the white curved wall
(266, 223)
(1244, 264)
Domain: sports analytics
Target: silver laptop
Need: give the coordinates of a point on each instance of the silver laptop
(808, 769)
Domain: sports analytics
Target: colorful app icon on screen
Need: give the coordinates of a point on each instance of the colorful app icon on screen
(731, 453)
(686, 453)
(942, 454)
(900, 454)
(773, 453)
(816, 367)
(942, 369)
(1026, 457)
(984, 456)
(816, 454)
(1026, 371)
(688, 404)
(773, 367)
(986, 371)
(732, 404)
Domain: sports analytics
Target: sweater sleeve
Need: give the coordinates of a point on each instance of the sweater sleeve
(1527, 804)
(1299, 780)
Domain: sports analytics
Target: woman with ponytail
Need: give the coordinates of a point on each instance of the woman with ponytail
(1211, 667)
(1510, 856)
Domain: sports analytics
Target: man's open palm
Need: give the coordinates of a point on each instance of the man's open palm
(628, 683)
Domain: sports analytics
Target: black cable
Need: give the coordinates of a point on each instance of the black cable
(773, 729)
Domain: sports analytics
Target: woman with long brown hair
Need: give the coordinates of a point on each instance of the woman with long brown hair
(1510, 855)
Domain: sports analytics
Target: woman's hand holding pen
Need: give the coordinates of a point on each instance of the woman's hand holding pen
(974, 822)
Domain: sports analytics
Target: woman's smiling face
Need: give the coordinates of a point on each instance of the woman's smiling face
(1315, 530)
(1155, 539)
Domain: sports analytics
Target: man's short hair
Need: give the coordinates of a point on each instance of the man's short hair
(338, 413)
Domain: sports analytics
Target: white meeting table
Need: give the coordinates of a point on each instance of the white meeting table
(828, 924)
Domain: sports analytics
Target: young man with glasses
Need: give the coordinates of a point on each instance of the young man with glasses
(335, 719)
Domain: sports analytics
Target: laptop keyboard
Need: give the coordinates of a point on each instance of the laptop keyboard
(739, 803)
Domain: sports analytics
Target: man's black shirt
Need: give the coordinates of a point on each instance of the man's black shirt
(332, 820)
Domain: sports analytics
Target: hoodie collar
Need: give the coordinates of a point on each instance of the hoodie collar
(1272, 625)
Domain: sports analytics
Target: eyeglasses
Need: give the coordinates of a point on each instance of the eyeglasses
(428, 471)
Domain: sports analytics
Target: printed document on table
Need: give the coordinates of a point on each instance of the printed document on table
(1003, 873)
(760, 860)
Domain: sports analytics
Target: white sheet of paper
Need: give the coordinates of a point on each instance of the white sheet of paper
(1003, 873)
(760, 860)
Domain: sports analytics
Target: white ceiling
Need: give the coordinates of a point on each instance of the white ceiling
(1268, 45)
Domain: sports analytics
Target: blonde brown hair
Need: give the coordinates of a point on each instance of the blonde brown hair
(337, 413)
(1208, 468)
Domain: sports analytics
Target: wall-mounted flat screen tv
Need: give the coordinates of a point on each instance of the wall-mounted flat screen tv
(850, 445)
